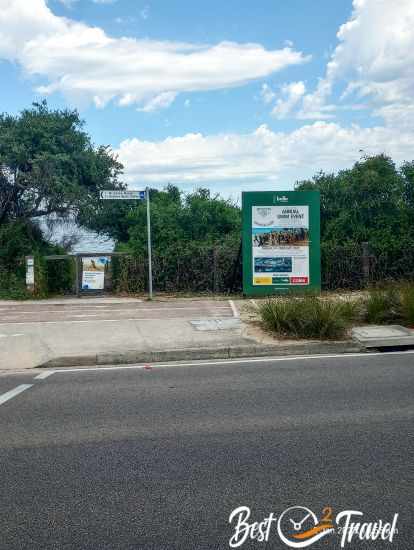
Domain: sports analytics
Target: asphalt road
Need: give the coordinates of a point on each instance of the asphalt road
(158, 458)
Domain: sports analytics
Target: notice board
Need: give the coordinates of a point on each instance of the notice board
(281, 242)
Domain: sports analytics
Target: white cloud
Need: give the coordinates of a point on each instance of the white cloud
(85, 64)
(373, 61)
(159, 102)
(291, 95)
(273, 159)
(267, 94)
(373, 67)
(375, 56)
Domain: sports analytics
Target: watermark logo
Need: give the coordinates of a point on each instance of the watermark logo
(299, 527)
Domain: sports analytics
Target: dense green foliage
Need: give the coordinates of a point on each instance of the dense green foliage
(195, 239)
(176, 220)
(308, 317)
(330, 317)
(372, 202)
(48, 166)
(392, 304)
(19, 239)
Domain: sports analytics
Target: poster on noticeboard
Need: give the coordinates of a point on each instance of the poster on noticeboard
(93, 272)
(281, 241)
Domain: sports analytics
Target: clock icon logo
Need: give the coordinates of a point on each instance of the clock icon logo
(299, 527)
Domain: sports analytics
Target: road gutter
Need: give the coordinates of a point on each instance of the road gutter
(202, 353)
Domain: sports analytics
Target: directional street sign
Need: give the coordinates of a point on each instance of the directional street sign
(123, 195)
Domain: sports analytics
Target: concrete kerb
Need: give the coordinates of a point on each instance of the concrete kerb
(194, 354)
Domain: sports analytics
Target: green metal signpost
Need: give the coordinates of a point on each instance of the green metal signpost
(281, 242)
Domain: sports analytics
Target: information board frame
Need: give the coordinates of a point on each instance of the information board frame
(301, 209)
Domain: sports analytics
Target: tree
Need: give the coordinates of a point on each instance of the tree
(371, 202)
(48, 165)
(365, 203)
(177, 220)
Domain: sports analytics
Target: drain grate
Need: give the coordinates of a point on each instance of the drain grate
(216, 324)
(376, 336)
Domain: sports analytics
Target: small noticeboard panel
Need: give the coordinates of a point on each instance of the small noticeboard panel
(93, 272)
(281, 241)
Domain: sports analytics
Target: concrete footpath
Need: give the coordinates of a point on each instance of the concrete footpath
(112, 330)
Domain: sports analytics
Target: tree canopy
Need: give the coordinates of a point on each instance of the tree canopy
(372, 201)
(176, 219)
(48, 164)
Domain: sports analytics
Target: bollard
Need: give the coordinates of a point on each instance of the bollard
(30, 274)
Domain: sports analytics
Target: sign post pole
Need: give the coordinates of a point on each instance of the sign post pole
(122, 194)
(147, 190)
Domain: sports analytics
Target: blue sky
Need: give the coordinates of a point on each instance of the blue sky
(229, 95)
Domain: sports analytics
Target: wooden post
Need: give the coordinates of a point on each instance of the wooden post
(215, 275)
(78, 271)
(366, 261)
(235, 267)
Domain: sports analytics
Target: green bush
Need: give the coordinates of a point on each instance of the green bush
(19, 239)
(12, 287)
(382, 306)
(407, 303)
(308, 317)
(195, 267)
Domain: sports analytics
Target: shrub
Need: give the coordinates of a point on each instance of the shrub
(382, 306)
(308, 317)
(407, 303)
(12, 287)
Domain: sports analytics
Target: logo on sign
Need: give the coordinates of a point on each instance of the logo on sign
(263, 216)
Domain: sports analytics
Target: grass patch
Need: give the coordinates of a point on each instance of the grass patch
(308, 317)
(407, 304)
(392, 304)
(383, 306)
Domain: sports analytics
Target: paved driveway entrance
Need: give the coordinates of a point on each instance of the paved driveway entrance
(36, 333)
(108, 309)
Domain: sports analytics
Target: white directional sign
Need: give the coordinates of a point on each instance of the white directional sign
(123, 195)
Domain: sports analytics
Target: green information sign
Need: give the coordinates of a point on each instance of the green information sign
(281, 242)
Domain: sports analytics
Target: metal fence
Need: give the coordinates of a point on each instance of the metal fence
(358, 266)
(212, 269)
(218, 269)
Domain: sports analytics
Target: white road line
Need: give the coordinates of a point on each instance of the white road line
(106, 320)
(44, 375)
(70, 312)
(237, 361)
(234, 309)
(12, 393)
(10, 335)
